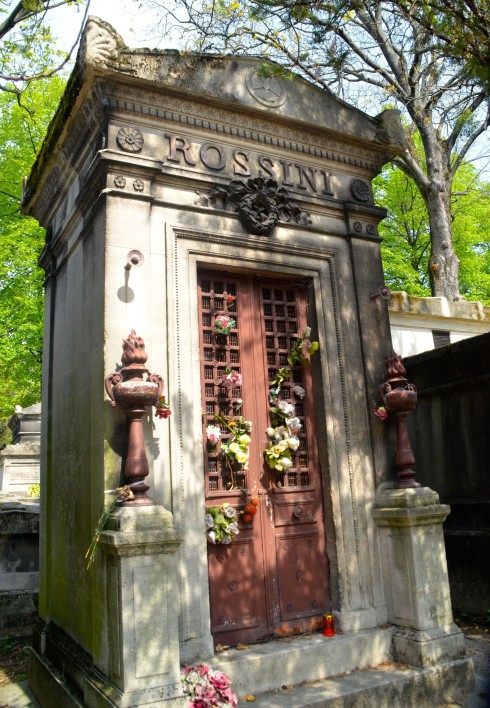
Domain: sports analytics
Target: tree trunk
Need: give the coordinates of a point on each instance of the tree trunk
(435, 187)
(443, 262)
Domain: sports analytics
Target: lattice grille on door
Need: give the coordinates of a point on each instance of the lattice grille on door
(220, 352)
(281, 326)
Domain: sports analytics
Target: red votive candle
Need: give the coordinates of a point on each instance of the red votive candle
(328, 628)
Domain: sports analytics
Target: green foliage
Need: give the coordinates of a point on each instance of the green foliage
(471, 233)
(461, 28)
(22, 128)
(405, 233)
(26, 42)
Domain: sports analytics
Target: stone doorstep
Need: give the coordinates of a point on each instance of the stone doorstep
(386, 686)
(293, 660)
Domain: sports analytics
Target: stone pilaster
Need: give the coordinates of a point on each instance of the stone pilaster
(415, 576)
(143, 662)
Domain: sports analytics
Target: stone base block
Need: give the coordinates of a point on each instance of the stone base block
(429, 647)
(62, 674)
(51, 688)
(18, 607)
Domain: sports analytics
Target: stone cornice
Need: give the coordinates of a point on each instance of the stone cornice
(97, 94)
(250, 126)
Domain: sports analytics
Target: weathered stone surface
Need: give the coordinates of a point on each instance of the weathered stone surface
(415, 576)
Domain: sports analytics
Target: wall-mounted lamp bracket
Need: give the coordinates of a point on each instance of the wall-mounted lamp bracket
(134, 259)
(383, 292)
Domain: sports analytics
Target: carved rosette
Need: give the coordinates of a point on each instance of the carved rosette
(260, 204)
(130, 139)
(360, 190)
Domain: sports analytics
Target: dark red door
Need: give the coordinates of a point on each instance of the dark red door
(273, 579)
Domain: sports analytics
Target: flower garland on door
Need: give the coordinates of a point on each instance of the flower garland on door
(285, 428)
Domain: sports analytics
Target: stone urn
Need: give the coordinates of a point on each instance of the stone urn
(400, 398)
(129, 389)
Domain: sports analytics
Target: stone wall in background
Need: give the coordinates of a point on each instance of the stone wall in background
(450, 433)
(419, 324)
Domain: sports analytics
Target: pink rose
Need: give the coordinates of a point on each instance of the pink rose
(380, 412)
(219, 681)
(232, 379)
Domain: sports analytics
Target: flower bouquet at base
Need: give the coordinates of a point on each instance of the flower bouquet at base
(221, 524)
(206, 687)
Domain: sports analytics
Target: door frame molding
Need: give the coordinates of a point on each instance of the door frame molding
(341, 402)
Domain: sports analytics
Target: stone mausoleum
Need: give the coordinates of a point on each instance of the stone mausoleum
(219, 214)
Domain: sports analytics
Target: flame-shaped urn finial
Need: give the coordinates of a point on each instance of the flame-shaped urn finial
(129, 389)
(400, 398)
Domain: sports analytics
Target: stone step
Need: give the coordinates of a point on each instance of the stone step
(294, 660)
(386, 686)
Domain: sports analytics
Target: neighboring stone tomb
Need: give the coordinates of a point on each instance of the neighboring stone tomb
(174, 189)
(19, 519)
(19, 461)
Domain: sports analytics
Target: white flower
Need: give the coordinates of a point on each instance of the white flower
(229, 512)
(241, 457)
(286, 463)
(293, 443)
(226, 539)
(299, 391)
(286, 408)
(270, 432)
(233, 528)
(209, 521)
(307, 333)
(212, 536)
(293, 423)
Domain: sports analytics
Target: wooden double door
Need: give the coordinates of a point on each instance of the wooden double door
(273, 579)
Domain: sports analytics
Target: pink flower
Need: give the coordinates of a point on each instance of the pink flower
(161, 412)
(219, 681)
(232, 379)
(162, 409)
(380, 412)
(213, 434)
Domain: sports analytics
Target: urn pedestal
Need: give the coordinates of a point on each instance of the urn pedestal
(400, 398)
(128, 389)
